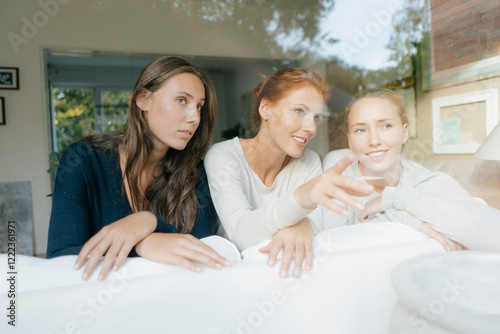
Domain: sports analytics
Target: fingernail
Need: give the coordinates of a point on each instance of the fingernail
(283, 274)
(75, 266)
(198, 269)
(101, 277)
(218, 266)
(448, 248)
(308, 267)
(85, 276)
(270, 263)
(115, 268)
(295, 274)
(360, 206)
(345, 212)
(227, 263)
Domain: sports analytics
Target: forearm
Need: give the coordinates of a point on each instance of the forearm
(69, 227)
(246, 227)
(143, 248)
(464, 220)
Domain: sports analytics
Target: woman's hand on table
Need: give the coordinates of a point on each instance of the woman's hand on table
(332, 185)
(446, 242)
(296, 241)
(114, 241)
(181, 250)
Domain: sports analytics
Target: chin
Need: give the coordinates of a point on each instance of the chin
(295, 153)
(179, 147)
(377, 168)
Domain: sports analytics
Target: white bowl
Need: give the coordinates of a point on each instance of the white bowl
(454, 292)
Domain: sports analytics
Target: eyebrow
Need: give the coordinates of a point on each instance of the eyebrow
(378, 121)
(182, 92)
(301, 106)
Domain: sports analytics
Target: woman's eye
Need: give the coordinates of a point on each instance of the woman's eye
(359, 130)
(299, 111)
(385, 126)
(199, 108)
(181, 100)
(318, 118)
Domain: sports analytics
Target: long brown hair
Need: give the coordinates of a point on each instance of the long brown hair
(284, 81)
(171, 195)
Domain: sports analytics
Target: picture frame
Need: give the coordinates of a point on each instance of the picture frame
(2, 111)
(460, 123)
(9, 78)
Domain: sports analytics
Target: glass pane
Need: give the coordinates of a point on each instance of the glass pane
(74, 114)
(114, 110)
(356, 45)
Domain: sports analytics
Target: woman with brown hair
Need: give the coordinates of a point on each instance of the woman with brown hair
(270, 186)
(142, 192)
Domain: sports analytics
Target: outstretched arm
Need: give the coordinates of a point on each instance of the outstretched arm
(446, 207)
(374, 206)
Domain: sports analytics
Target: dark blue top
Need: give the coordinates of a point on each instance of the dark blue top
(88, 195)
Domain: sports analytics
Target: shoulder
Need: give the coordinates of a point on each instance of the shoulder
(87, 149)
(226, 152)
(86, 156)
(308, 158)
(331, 158)
(418, 174)
(224, 147)
(77, 153)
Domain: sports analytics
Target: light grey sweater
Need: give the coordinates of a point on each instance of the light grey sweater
(424, 196)
(250, 211)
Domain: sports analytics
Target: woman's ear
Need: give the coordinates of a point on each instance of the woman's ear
(264, 109)
(143, 99)
(406, 134)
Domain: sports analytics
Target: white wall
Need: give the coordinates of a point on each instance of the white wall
(105, 25)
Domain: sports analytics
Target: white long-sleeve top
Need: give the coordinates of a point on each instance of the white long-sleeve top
(424, 196)
(250, 211)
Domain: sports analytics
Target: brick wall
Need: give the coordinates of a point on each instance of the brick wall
(464, 31)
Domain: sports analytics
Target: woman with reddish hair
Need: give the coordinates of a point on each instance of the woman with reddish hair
(270, 186)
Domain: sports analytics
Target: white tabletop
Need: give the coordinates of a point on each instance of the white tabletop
(348, 291)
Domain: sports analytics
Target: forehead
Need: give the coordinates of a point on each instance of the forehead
(303, 95)
(372, 109)
(186, 82)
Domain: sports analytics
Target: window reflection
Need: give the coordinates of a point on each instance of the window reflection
(356, 44)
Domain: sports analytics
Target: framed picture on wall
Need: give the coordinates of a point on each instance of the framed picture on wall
(2, 111)
(460, 123)
(9, 78)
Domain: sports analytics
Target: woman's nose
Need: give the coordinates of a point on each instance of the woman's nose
(374, 138)
(310, 125)
(194, 115)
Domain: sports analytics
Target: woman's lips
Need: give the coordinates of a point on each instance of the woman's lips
(186, 134)
(301, 141)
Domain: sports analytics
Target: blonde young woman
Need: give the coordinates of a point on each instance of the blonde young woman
(143, 192)
(269, 186)
(406, 192)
